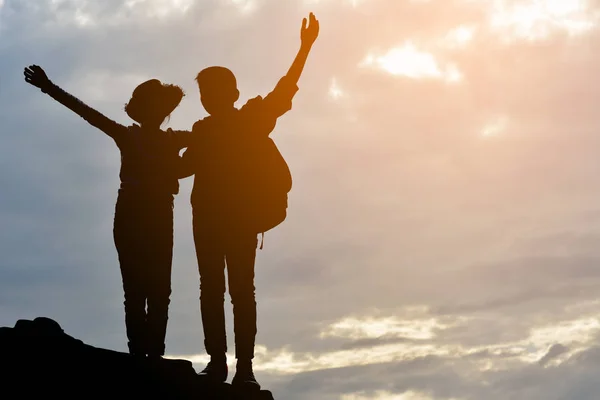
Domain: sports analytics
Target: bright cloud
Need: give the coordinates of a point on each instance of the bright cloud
(459, 37)
(413, 63)
(160, 8)
(353, 328)
(537, 19)
(72, 11)
(385, 395)
(245, 5)
(572, 336)
(495, 127)
(84, 13)
(579, 331)
(288, 362)
(353, 3)
(334, 90)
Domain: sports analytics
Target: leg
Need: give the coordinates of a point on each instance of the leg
(126, 238)
(159, 253)
(211, 266)
(241, 254)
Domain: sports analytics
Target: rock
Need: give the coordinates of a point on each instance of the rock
(39, 360)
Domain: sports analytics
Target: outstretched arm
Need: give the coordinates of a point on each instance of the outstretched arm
(36, 76)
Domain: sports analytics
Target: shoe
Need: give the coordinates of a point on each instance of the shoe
(244, 376)
(216, 370)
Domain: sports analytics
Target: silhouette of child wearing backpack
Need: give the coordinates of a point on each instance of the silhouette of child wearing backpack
(143, 221)
(227, 160)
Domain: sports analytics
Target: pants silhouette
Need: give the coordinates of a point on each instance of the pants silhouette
(143, 234)
(218, 248)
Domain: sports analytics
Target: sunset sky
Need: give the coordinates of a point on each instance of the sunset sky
(443, 237)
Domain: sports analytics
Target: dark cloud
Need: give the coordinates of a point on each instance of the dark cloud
(553, 352)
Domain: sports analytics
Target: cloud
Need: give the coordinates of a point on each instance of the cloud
(535, 20)
(554, 351)
(410, 62)
(385, 395)
(354, 328)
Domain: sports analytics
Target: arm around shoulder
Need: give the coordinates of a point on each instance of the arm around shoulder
(182, 139)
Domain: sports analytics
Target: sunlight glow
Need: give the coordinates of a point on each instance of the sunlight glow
(459, 37)
(410, 62)
(495, 127)
(335, 91)
(537, 19)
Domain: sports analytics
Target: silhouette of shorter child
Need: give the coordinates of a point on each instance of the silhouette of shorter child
(143, 221)
(224, 234)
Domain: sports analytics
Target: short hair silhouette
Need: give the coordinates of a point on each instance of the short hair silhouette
(153, 99)
(218, 89)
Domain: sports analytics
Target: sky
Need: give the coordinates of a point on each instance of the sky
(441, 242)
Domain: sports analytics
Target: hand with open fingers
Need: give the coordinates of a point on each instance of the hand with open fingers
(309, 33)
(35, 75)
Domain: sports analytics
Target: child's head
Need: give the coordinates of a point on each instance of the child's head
(218, 89)
(153, 101)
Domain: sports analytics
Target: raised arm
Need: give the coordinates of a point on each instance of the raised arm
(279, 101)
(308, 35)
(36, 76)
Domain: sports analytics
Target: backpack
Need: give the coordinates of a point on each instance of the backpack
(252, 170)
(270, 181)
